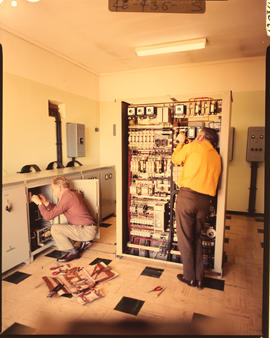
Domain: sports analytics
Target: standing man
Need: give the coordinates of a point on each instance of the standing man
(198, 183)
(81, 225)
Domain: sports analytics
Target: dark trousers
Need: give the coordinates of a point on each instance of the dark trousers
(191, 211)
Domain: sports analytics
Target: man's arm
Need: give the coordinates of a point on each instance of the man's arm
(179, 154)
(52, 211)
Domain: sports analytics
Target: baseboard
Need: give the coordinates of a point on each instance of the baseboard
(231, 212)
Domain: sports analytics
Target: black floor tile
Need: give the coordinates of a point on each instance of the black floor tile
(98, 260)
(199, 316)
(55, 254)
(152, 272)
(261, 231)
(129, 305)
(227, 227)
(262, 245)
(213, 283)
(17, 328)
(17, 277)
(105, 225)
(226, 240)
(228, 217)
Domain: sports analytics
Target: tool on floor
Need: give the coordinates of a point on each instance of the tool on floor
(158, 289)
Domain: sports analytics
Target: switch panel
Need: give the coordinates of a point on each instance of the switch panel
(255, 144)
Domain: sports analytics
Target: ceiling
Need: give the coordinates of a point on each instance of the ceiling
(87, 33)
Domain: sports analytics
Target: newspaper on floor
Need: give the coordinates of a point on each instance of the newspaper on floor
(80, 282)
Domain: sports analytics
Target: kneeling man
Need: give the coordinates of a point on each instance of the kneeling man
(81, 225)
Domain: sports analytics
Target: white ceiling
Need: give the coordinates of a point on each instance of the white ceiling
(86, 32)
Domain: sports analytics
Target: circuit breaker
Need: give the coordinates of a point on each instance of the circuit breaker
(255, 144)
(75, 140)
(152, 178)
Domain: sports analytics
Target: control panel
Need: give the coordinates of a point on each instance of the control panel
(153, 179)
(255, 144)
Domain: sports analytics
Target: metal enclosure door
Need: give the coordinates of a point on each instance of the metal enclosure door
(15, 238)
(107, 181)
(90, 190)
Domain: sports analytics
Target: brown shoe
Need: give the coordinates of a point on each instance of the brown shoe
(186, 281)
(69, 257)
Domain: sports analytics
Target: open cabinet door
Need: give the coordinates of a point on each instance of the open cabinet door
(90, 190)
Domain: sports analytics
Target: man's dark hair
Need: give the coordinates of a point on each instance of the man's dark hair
(211, 135)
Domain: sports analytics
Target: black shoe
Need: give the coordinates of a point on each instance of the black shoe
(188, 282)
(84, 245)
(68, 257)
(200, 284)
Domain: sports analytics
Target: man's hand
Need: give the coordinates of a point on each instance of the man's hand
(43, 199)
(36, 200)
(181, 137)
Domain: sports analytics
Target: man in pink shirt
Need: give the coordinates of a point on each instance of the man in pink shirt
(81, 225)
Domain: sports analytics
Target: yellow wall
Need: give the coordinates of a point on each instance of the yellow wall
(29, 133)
(248, 110)
(32, 76)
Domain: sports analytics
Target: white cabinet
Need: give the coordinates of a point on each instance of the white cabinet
(15, 236)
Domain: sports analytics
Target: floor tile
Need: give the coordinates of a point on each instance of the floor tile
(213, 283)
(199, 316)
(105, 225)
(129, 305)
(260, 231)
(18, 329)
(98, 260)
(226, 240)
(17, 277)
(152, 272)
(55, 254)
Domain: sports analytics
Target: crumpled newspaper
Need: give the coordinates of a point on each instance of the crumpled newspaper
(80, 282)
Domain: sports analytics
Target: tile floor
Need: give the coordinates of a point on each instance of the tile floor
(129, 307)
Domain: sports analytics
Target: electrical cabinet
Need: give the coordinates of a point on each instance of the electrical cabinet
(150, 180)
(24, 232)
(15, 237)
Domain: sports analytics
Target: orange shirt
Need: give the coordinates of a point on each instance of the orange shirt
(202, 166)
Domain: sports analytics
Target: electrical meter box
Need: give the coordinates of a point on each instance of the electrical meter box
(75, 140)
(255, 144)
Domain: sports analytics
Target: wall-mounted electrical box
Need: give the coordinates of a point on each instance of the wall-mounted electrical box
(255, 144)
(75, 140)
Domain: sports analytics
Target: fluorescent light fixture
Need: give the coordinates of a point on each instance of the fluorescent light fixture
(172, 47)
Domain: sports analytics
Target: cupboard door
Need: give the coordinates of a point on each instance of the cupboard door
(107, 181)
(90, 190)
(15, 234)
